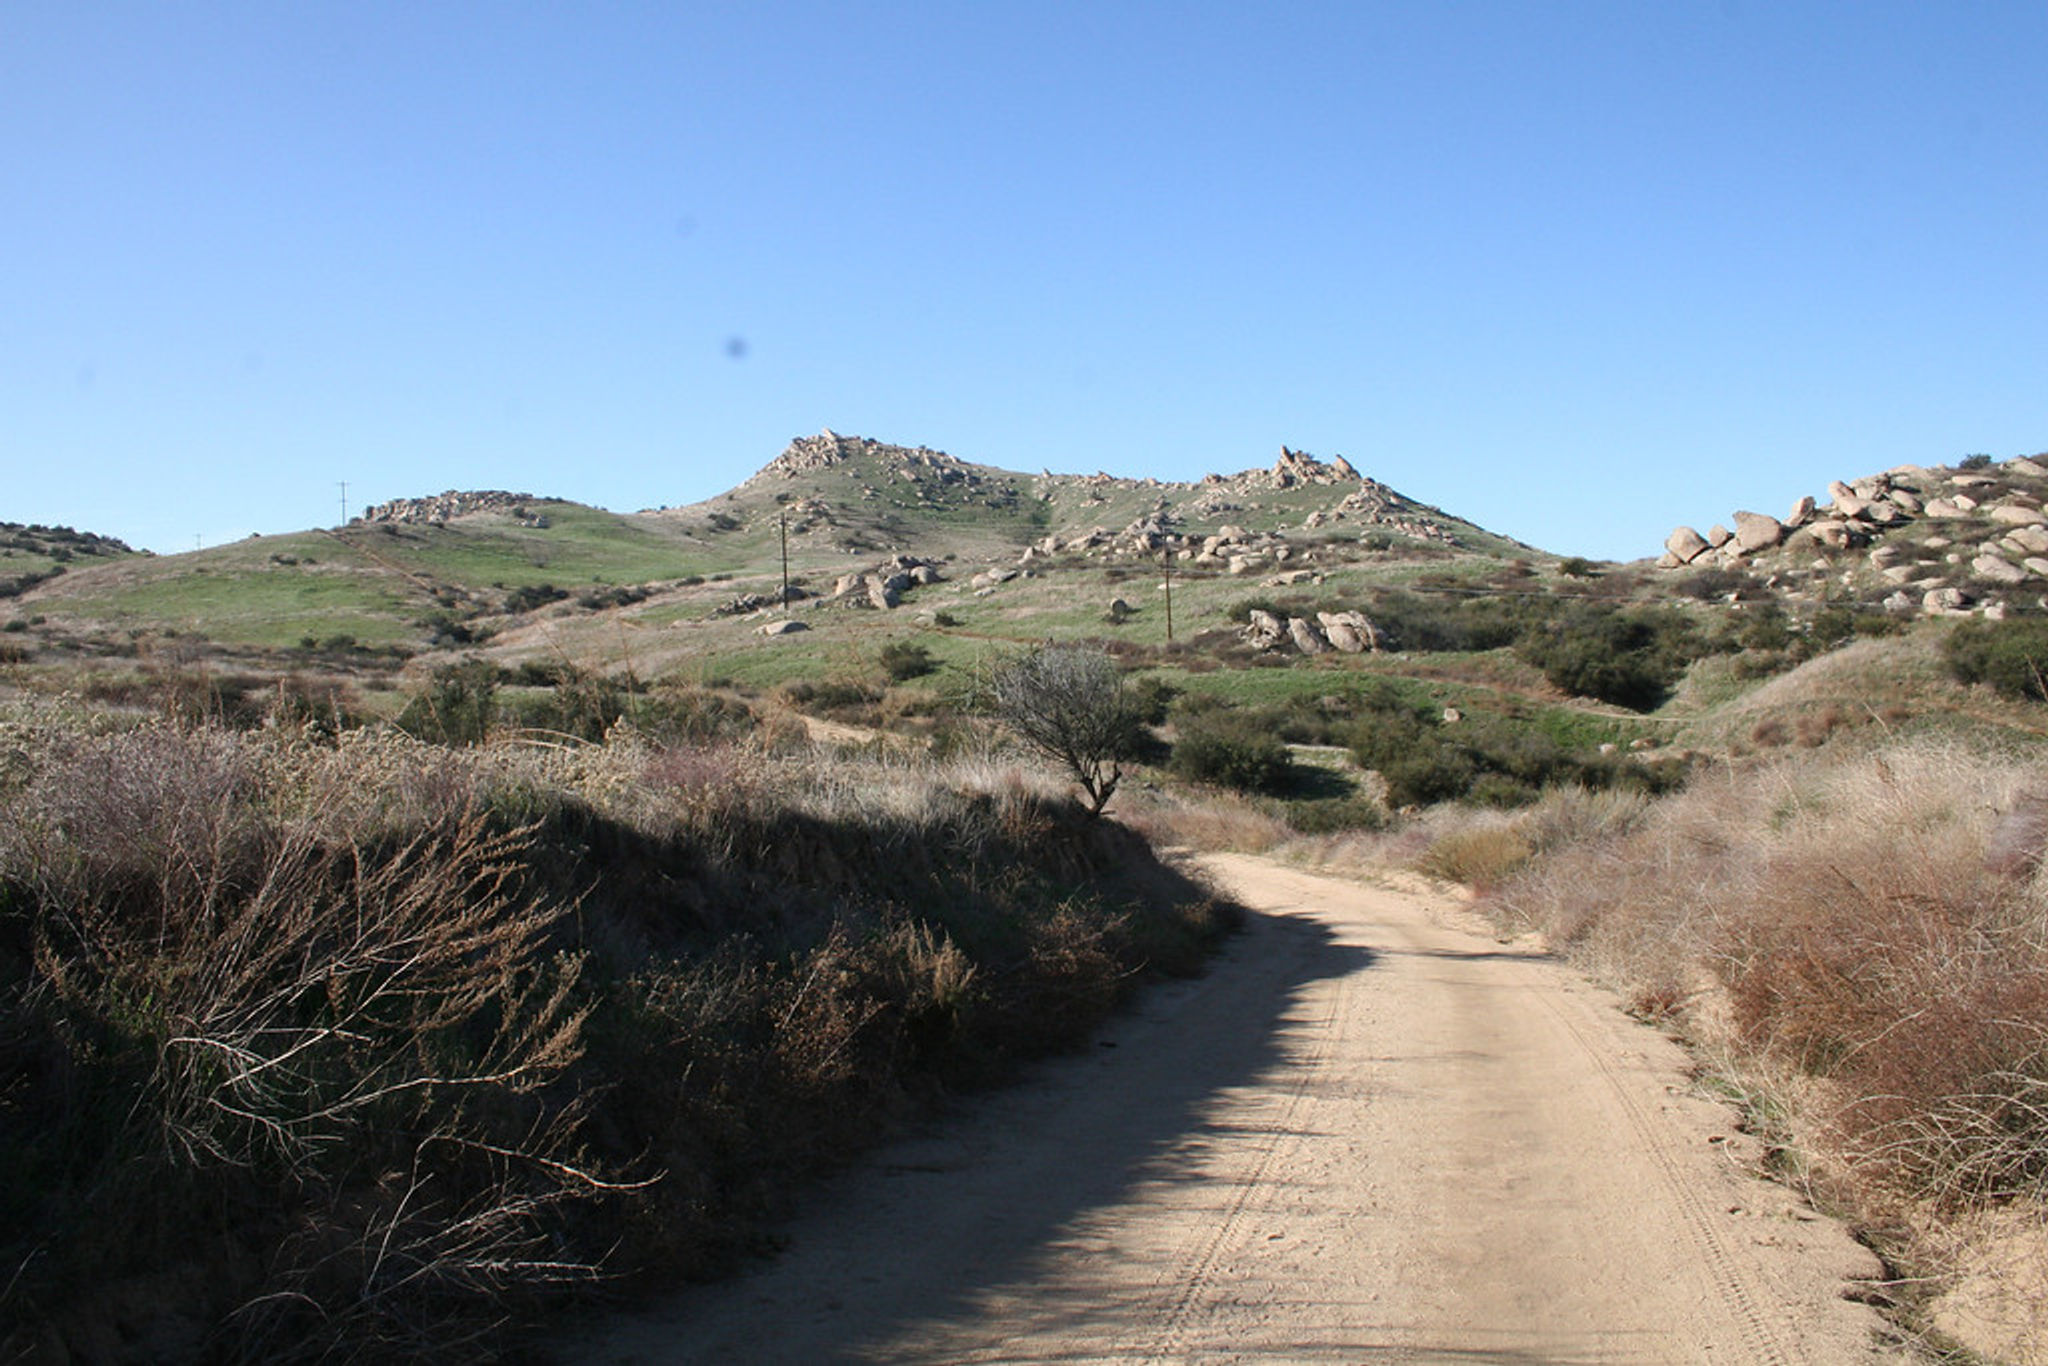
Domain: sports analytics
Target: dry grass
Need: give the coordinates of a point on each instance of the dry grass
(1860, 937)
(390, 1043)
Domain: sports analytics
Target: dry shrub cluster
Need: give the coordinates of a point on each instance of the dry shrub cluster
(352, 1046)
(1864, 936)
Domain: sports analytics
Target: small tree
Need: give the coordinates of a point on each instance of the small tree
(1067, 702)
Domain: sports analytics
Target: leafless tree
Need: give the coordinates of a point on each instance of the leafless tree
(1067, 702)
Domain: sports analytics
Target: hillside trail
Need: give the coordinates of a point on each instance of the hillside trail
(1370, 1133)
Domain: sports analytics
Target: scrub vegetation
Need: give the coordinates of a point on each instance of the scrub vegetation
(327, 1042)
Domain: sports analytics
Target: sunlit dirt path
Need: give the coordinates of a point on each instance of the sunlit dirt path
(1369, 1134)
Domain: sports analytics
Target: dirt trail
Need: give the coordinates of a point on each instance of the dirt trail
(1369, 1134)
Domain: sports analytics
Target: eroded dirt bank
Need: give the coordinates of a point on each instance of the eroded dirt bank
(1368, 1135)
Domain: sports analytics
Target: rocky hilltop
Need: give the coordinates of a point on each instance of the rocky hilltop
(446, 507)
(1938, 540)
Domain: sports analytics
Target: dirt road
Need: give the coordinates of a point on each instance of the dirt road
(1369, 1134)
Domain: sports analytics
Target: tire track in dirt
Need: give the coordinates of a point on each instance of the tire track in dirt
(1656, 1137)
(1368, 1134)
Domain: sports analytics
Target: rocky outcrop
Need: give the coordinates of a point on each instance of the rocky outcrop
(1991, 519)
(1263, 630)
(1348, 632)
(446, 507)
(1756, 531)
(810, 454)
(883, 586)
(1306, 637)
(1685, 545)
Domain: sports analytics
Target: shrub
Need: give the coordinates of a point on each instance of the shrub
(527, 597)
(1068, 703)
(1629, 658)
(458, 705)
(904, 660)
(1230, 750)
(2011, 656)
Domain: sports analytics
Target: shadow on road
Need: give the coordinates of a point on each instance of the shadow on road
(928, 1229)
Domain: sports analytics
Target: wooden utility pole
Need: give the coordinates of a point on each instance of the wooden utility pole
(783, 520)
(1166, 569)
(344, 502)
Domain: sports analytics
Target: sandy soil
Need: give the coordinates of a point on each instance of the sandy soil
(1370, 1134)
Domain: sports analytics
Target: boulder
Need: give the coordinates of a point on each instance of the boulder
(1351, 632)
(1835, 535)
(2017, 514)
(2036, 565)
(1900, 604)
(2032, 468)
(1306, 637)
(1944, 601)
(1996, 569)
(1718, 535)
(1943, 507)
(782, 628)
(882, 595)
(1686, 545)
(1802, 511)
(1847, 501)
(1755, 531)
(1264, 631)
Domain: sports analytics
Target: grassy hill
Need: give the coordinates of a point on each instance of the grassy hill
(790, 760)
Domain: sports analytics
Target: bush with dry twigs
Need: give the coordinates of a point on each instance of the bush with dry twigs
(320, 1045)
(1860, 938)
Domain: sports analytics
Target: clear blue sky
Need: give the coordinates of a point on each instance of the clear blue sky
(1576, 271)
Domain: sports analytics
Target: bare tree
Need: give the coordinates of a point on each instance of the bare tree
(1067, 702)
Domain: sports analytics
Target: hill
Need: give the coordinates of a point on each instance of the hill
(1912, 540)
(461, 570)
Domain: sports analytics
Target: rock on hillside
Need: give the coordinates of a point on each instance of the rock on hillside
(1941, 538)
(446, 507)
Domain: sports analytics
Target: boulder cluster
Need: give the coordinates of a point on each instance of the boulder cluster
(810, 454)
(1347, 632)
(883, 586)
(1981, 518)
(446, 507)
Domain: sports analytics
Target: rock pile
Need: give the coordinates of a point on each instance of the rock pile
(1368, 504)
(448, 506)
(1347, 632)
(1982, 525)
(883, 586)
(809, 454)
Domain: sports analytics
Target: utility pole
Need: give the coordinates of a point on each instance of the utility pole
(783, 520)
(344, 502)
(1166, 570)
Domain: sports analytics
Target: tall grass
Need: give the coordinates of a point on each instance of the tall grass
(388, 1044)
(1860, 934)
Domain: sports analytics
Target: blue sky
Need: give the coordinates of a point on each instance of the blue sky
(1577, 271)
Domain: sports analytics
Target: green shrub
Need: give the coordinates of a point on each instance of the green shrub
(457, 706)
(904, 660)
(2011, 656)
(1335, 815)
(1628, 657)
(1231, 750)
(527, 597)
(1151, 699)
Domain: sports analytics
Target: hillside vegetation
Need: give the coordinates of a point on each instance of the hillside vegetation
(736, 856)
(344, 1044)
